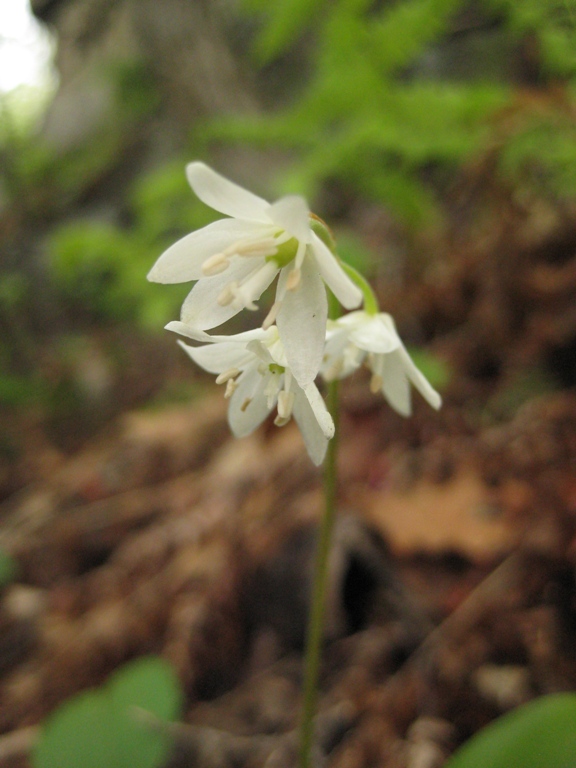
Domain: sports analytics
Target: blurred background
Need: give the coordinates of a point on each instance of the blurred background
(437, 138)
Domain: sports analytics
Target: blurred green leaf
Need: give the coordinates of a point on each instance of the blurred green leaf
(21, 390)
(541, 734)
(389, 101)
(284, 21)
(104, 728)
(403, 29)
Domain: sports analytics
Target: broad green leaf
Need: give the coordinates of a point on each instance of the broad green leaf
(148, 685)
(541, 734)
(106, 728)
(80, 734)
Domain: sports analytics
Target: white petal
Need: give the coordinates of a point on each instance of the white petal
(292, 214)
(217, 358)
(183, 260)
(395, 385)
(373, 335)
(256, 334)
(176, 326)
(321, 412)
(341, 357)
(201, 309)
(419, 380)
(301, 323)
(347, 293)
(225, 196)
(314, 436)
(244, 419)
(255, 285)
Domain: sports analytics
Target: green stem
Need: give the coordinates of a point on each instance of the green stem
(317, 608)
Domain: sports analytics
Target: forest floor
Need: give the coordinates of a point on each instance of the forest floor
(452, 587)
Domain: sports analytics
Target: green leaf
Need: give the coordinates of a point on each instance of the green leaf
(150, 685)
(78, 735)
(287, 19)
(403, 30)
(104, 727)
(541, 734)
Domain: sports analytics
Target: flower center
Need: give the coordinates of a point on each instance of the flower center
(243, 294)
(285, 252)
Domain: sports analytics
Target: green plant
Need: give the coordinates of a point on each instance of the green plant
(541, 734)
(98, 266)
(110, 726)
(389, 112)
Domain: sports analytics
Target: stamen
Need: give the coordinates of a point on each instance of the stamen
(271, 316)
(231, 373)
(293, 280)
(250, 246)
(227, 295)
(300, 253)
(231, 385)
(272, 387)
(376, 383)
(245, 404)
(263, 247)
(215, 264)
(252, 286)
(240, 301)
(285, 404)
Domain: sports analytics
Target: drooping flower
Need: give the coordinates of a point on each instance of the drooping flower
(359, 338)
(257, 376)
(235, 259)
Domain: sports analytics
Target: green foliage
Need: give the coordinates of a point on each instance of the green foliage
(135, 93)
(91, 260)
(551, 25)
(21, 390)
(109, 727)
(100, 267)
(285, 21)
(541, 734)
(542, 154)
(386, 115)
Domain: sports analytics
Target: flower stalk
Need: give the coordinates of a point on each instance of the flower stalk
(314, 636)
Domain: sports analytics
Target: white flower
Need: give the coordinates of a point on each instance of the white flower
(258, 379)
(359, 337)
(235, 259)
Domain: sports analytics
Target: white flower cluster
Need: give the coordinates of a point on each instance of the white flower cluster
(233, 261)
